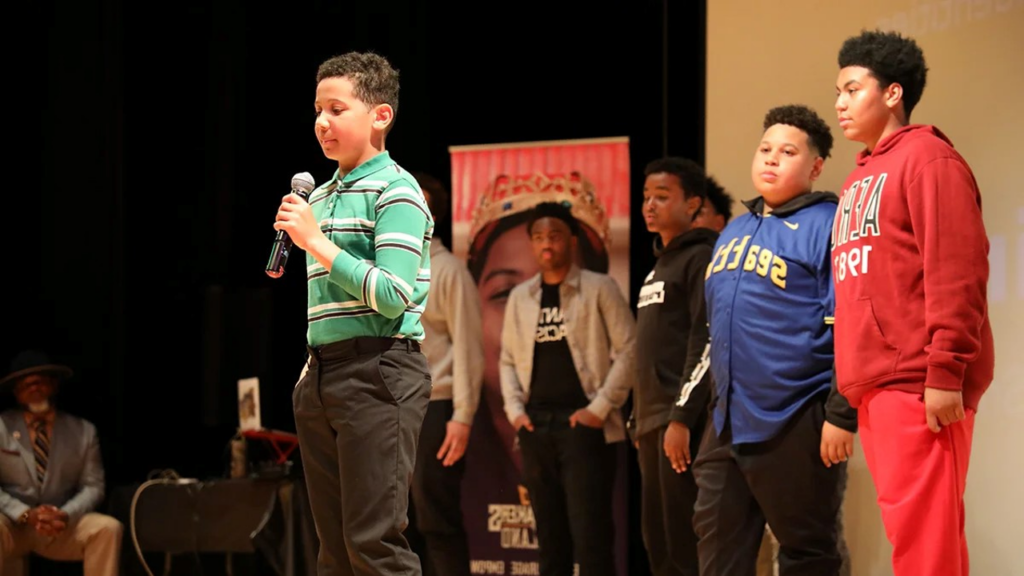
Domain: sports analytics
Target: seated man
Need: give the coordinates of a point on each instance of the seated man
(48, 497)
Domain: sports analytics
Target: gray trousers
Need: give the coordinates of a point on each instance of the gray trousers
(358, 410)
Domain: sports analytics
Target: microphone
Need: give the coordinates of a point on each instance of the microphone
(302, 184)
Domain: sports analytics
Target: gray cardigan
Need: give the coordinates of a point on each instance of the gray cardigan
(452, 343)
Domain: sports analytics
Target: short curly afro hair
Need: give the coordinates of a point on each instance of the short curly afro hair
(691, 175)
(799, 116)
(719, 198)
(891, 58)
(560, 210)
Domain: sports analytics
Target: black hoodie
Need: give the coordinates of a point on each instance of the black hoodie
(672, 333)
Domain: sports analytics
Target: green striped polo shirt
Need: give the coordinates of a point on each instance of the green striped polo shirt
(378, 284)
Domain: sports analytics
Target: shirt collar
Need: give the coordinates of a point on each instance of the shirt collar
(371, 166)
(572, 280)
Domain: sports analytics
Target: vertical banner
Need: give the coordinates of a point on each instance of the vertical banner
(493, 188)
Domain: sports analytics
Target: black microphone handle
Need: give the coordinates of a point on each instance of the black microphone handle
(282, 246)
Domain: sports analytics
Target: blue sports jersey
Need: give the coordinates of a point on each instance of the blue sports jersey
(770, 303)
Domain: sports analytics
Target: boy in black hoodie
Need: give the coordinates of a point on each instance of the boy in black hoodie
(671, 393)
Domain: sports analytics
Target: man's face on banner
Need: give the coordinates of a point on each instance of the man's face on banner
(509, 262)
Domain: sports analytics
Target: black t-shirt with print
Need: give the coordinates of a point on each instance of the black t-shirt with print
(554, 385)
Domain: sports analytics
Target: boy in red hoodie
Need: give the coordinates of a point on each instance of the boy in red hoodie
(913, 343)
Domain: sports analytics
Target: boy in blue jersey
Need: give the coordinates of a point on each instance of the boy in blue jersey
(780, 436)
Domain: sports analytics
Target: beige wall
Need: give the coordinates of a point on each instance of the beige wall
(762, 54)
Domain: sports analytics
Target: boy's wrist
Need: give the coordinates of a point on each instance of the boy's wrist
(324, 251)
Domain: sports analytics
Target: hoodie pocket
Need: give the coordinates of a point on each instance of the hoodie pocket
(863, 352)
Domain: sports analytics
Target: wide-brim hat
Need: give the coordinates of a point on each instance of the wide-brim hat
(33, 362)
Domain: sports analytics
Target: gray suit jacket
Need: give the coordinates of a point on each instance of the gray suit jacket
(74, 479)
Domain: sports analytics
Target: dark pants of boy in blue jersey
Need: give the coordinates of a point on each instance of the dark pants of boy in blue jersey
(782, 482)
(358, 411)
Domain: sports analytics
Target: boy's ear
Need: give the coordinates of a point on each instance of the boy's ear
(383, 115)
(893, 95)
(819, 165)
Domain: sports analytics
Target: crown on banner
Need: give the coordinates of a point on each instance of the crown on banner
(508, 195)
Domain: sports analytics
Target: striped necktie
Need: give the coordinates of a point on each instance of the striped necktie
(41, 447)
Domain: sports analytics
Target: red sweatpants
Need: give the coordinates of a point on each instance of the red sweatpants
(919, 476)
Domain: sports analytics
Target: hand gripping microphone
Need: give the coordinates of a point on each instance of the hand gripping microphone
(302, 184)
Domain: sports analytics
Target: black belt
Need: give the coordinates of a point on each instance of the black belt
(345, 349)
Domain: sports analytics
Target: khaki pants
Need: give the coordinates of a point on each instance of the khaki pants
(767, 555)
(94, 539)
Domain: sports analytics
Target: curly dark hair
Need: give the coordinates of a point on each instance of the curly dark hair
(719, 198)
(373, 78)
(691, 175)
(799, 116)
(439, 202)
(560, 210)
(891, 58)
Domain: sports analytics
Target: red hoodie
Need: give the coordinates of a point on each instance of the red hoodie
(910, 264)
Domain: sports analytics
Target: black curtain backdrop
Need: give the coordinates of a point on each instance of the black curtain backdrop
(152, 144)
